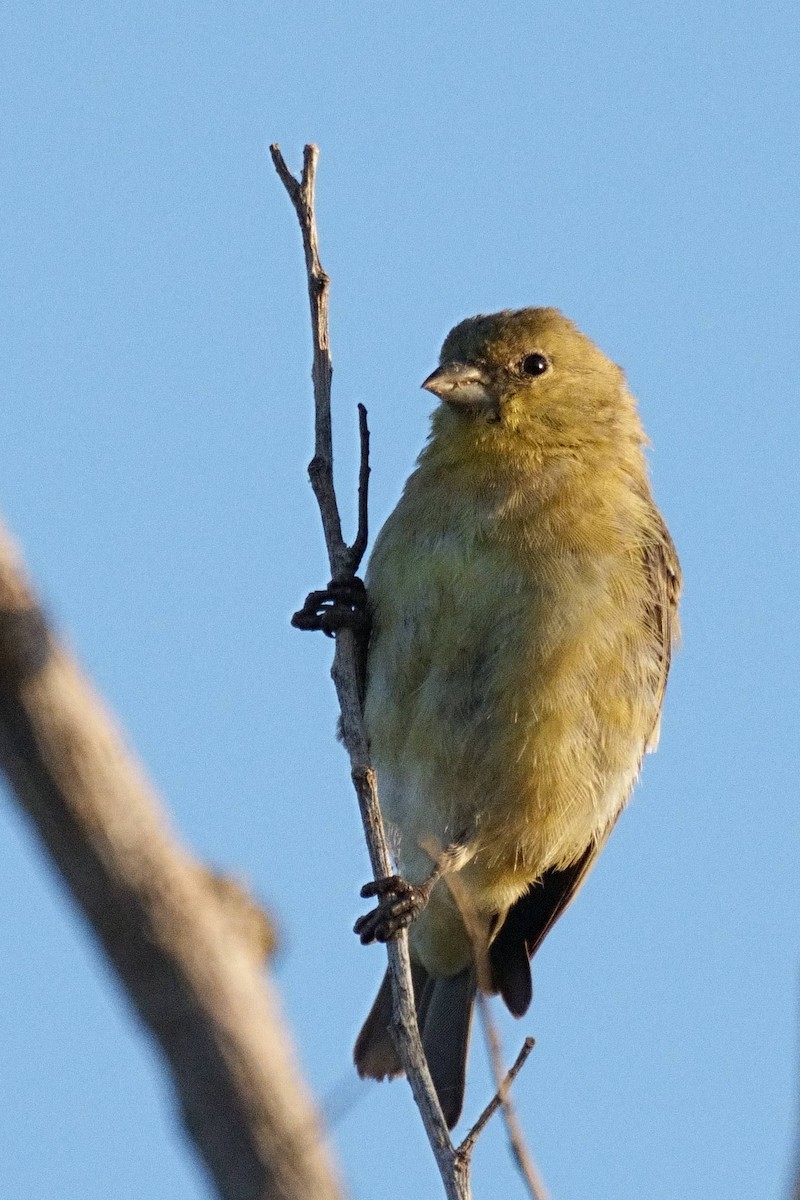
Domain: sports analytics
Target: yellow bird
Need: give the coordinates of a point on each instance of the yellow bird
(523, 596)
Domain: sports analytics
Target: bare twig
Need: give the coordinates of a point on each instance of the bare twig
(320, 469)
(344, 561)
(795, 1181)
(520, 1152)
(480, 949)
(186, 946)
(468, 1144)
(362, 536)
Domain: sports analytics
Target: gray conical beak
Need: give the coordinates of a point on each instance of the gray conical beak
(459, 383)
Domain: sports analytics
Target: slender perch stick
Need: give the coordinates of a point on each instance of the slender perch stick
(519, 1150)
(344, 561)
(503, 1080)
(496, 1102)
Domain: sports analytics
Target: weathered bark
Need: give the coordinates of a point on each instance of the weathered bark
(187, 949)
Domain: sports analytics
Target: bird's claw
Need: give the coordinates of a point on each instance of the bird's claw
(400, 903)
(338, 606)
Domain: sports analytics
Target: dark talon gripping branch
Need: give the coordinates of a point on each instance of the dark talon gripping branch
(339, 606)
(400, 903)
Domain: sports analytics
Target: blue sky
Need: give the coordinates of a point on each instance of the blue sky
(635, 166)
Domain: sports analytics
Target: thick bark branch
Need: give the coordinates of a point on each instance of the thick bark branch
(186, 949)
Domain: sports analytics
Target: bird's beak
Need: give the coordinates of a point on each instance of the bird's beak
(460, 384)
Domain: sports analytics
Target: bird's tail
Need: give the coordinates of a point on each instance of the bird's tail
(444, 1013)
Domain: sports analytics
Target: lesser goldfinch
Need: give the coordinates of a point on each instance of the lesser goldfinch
(524, 603)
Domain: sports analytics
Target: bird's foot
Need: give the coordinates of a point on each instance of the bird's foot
(338, 606)
(400, 903)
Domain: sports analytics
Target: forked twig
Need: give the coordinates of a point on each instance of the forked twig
(483, 1120)
(346, 672)
(503, 1080)
(519, 1150)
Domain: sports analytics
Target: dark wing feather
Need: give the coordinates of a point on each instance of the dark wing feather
(664, 573)
(527, 924)
(530, 919)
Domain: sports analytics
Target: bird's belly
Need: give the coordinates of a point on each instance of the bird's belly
(508, 713)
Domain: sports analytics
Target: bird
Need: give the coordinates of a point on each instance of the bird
(523, 599)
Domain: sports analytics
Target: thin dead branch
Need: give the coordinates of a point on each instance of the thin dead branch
(347, 667)
(516, 1137)
(468, 1144)
(186, 946)
(503, 1080)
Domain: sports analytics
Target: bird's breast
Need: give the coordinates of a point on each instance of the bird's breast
(507, 689)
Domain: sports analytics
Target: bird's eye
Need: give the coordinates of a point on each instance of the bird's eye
(534, 364)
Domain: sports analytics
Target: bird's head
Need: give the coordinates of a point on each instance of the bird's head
(533, 375)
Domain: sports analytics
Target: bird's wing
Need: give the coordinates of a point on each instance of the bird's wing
(530, 919)
(528, 922)
(664, 573)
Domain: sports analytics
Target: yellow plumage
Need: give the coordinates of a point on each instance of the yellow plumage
(524, 602)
